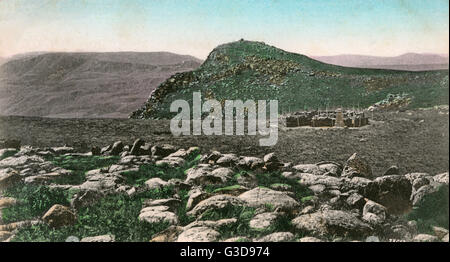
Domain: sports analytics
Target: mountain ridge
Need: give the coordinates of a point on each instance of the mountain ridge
(253, 70)
(407, 61)
(84, 84)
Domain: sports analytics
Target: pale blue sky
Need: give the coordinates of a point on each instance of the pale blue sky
(328, 27)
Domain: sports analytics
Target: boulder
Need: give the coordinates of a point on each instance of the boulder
(59, 216)
(4, 235)
(116, 148)
(393, 170)
(441, 178)
(309, 239)
(357, 166)
(425, 238)
(374, 213)
(440, 232)
(261, 197)
(228, 160)
(212, 224)
(103, 238)
(8, 177)
(172, 203)
(171, 161)
(155, 183)
(264, 220)
(158, 214)
(276, 237)
(163, 150)
(96, 151)
(332, 223)
(271, 162)
(195, 196)
(136, 147)
(206, 175)
(218, 202)
(170, 234)
(355, 200)
(198, 234)
(251, 163)
(312, 169)
(393, 192)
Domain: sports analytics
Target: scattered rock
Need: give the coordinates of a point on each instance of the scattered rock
(8, 178)
(218, 202)
(357, 166)
(332, 223)
(276, 237)
(163, 150)
(59, 216)
(227, 160)
(309, 239)
(198, 234)
(156, 183)
(440, 232)
(116, 148)
(136, 148)
(205, 175)
(103, 238)
(251, 163)
(393, 170)
(96, 151)
(374, 213)
(393, 192)
(158, 214)
(425, 238)
(264, 220)
(170, 234)
(4, 235)
(271, 162)
(261, 197)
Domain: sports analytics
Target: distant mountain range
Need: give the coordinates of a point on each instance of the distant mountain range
(408, 61)
(84, 84)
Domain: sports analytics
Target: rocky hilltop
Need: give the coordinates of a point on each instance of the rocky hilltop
(253, 70)
(84, 85)
(157, 192)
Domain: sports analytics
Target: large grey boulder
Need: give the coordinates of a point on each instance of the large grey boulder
(198, 234)
(393, 192)
(218, 202)
(158, 214)
(262, 197)
(332, 223)
(276, 237)
(357, 166)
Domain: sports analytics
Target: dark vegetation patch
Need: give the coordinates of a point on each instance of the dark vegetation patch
(432, 211)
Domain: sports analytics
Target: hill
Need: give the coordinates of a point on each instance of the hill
(409, 61)
(84, 84)
(253, 70)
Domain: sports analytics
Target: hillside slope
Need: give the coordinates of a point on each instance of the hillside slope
(253, 70)
(84, 84)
